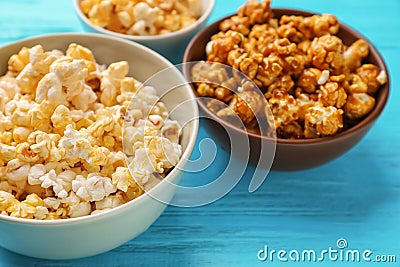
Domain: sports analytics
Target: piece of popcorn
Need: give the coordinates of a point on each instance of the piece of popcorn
(109, 202)
(35, 201)
(50, 88)
(98, 156)
(270, 69)
(77, 145)
(355, 84)
(122, 179)
(4, 185)
(25, 154)
(72, 74)
(20, 134)
(355, 53)
(132, 135)
(10, 107)
(40, 116)
(23, 210)
(7, 152)
(221, 44)
(160, 109)
(283, 83)
(141, 166)
(100, 13)
(299, 28)
(35, 172)
(157, 154)
(41, 212)
(372, 76)
(86, 5)
(104, 123)
(66, 177)
(51, 203)
(72, 207)
(30, 208)
(322, 121)
(85, 99)
(111, 82)
(71, 199)
(17, 170)
(38, 66)
(8, 86)
(50, 179)
(142, 103)
(247, 104)
(332, 94)
(6, 138)
(125, 18)
(21, 118)
(145, 17)
(133, 192)
(61, 118)
(92, 188)
(17, 188)
(79, 209)
(17, 62)
(108, 141)
(171, 131)
(5, 123)
(156, 120)
(358, 105)
(326, 53)
(44, 145)
(80, 52)
(91, 168)
(257, 12)
(310, 79)
(129, 85)
(7, 202)
(116, 159)
(284, 108)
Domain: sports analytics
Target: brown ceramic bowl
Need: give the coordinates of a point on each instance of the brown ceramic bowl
(299, 153)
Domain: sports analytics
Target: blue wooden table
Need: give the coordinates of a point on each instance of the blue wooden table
(354, 199)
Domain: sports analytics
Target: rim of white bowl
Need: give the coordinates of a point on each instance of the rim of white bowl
(153, 191)
(143, 38)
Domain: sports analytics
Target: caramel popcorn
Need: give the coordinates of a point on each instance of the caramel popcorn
(138, 17)
(299, 28)
(251, 13)
(61, 134)
(322, 121)
(314, 84)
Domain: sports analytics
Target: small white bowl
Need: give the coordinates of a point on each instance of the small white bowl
(168, 44)
(94, 234)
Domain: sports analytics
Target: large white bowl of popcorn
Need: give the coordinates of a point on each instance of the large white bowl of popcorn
(163, 25)
(89, 142)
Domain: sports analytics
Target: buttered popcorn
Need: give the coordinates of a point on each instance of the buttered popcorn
(65, 123)
(141, 17)
(315, 84)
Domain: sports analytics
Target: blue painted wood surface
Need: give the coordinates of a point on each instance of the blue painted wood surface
(356, 197)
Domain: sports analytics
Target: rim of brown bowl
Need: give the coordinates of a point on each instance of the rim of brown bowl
(195, 52)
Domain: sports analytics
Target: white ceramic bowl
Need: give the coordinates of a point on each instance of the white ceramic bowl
(169, 44)
(94, 234)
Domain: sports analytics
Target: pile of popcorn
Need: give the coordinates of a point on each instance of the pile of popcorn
(314, 84)
(142, 17)
(77, 137)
